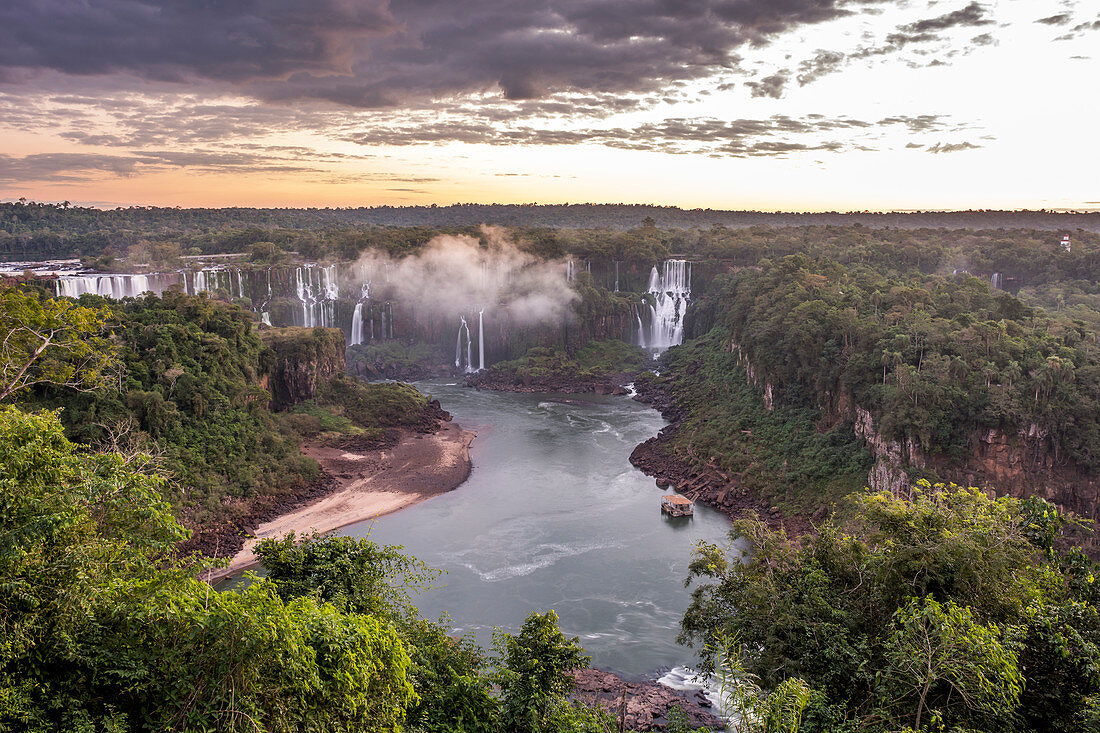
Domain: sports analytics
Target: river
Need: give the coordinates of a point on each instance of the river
(554, 516)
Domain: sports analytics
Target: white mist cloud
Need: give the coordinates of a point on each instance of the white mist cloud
(455, 275)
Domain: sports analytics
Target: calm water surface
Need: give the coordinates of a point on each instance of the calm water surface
(554, 516)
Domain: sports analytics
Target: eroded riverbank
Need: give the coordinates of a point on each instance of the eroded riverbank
(367, 484)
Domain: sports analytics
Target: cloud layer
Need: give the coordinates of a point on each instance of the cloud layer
(371, 53)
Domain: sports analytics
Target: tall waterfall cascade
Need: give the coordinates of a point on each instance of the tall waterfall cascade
(464, 345)
(357, 325)
(670, 290)
(481, 340)
(356, 335)
(317, 292)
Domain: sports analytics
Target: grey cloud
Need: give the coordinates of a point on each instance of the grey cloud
(744, 137)
(1059, 19)
(825, 62)
(1077, 30)
(74, 167)
(922, 34)
(178, 39)
(972, 15)
(376, 54)
(952, 147)
(769, 86)
(63, 166)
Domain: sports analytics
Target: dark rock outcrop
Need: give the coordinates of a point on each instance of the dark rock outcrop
(645, 705)
(299, 360)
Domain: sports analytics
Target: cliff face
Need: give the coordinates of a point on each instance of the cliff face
(1022, 464)
(298, 361)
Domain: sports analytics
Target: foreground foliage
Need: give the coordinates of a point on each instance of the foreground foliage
(949, 610)
(103, 628)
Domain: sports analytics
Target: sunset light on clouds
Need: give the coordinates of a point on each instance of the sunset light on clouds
(739, 104)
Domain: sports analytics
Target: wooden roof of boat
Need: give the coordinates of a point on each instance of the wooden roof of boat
(675, 499)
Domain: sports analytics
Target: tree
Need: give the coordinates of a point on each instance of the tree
(102, 629)
(48, 341)
(533, 669)
(353, 574)
(941, 645)
(75, 529)
(951, 604)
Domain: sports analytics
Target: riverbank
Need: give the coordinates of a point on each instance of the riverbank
(701, 481)
(366, 483)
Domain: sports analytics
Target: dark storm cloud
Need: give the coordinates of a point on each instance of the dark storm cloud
(179, 39)
(373, 53)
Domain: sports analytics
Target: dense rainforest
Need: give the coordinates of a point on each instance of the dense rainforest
(818, 359)
(193, 384)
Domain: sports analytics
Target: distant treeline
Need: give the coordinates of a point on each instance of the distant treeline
(41, 227)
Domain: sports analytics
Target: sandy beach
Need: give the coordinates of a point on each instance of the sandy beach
(370, 484)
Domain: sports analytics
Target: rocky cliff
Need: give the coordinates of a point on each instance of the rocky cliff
(1022, 463)
(298, 360)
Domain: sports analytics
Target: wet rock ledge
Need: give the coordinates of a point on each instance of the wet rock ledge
(647, 703)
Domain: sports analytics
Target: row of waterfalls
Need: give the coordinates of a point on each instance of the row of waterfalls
(331, 296)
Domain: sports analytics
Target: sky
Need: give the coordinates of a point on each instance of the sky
(793, 105)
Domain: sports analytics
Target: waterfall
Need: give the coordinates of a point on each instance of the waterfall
(458, 342)
(109, 286)
(995, 281)
(240, 283)
(641, 329)
(357, 336)
(469, 349)
(481, 340)
(616, 276)
(357, 325)
(464, 327)
(317, 290)
(671, 293)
